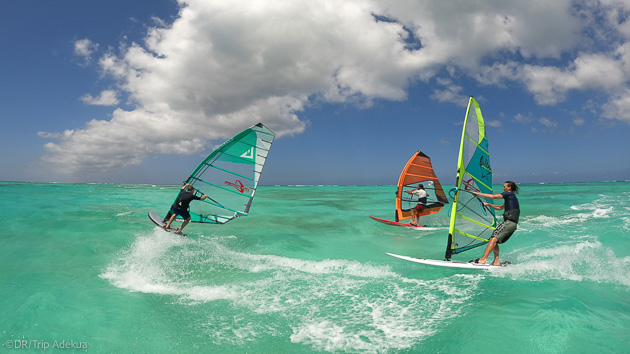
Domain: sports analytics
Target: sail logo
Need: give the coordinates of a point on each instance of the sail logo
(469, 185)
(238, 185)
(486, 170)
(249, 154)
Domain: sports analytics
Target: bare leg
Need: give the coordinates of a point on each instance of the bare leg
(496, 254)
(170, 221)
(179, 231)
(489, 248)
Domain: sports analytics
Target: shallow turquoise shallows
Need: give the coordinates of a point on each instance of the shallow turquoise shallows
(81, 265)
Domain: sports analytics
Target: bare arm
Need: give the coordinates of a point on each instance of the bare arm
(495, 207)
(489, 196)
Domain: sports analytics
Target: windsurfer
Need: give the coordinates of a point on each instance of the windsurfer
(510, 220)
(422, 202)
(180, 207)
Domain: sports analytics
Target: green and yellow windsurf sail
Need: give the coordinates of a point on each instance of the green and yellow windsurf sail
(471, 223)
(229, 176)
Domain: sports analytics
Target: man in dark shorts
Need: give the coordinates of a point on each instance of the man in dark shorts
(510, 220)
(422, 202)
(180, 207)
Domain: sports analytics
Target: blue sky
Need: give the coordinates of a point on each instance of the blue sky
(140, 91)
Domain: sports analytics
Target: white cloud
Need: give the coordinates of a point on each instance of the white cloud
(224, 65)
(548, 122)
(49, 135)
(106, 98)
(550, 85)
(619, 106)
(523, 118)
(84, 48)
(548, 126)
(450, 94)
(494, 123)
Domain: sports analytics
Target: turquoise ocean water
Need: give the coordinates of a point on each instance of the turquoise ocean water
(81, 265)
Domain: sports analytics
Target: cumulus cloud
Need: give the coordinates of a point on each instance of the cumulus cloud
(546, 126)
(548, 122)
(106, 98)
(494, 123)
(590, 71)
(222, 65)
(84, 48)
(451, 93)
(524, 119)
(619, 106)
(578, 121)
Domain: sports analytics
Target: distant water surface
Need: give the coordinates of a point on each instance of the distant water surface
(306, 271)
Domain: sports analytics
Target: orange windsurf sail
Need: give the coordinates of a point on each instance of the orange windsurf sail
(418, 170)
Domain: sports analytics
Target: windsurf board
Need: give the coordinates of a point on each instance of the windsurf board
(452, 264)
(158, 221)
(395, 223)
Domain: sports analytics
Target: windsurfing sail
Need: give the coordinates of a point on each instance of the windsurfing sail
(229, 176)
(418, 170)
(471, 222)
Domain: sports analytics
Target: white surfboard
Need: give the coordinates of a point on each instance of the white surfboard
(451, 264)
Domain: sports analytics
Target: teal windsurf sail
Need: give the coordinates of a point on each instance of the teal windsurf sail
(229, 176)
(471, 222)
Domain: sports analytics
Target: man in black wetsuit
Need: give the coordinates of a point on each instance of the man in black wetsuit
(510, 219)
(180, 207)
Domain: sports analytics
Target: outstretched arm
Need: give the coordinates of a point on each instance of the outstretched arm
(496, 207)
(489, 196)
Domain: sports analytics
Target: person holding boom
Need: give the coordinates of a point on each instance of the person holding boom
(510, 220)
(181, 205)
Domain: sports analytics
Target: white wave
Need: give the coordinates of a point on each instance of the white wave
(140, 269)
(259, 263)
(554, 221)
(401, 315)
(602, 213)
(329, 305)
(586, 260)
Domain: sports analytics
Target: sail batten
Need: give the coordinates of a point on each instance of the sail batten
(236, 174)
(471, 222)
